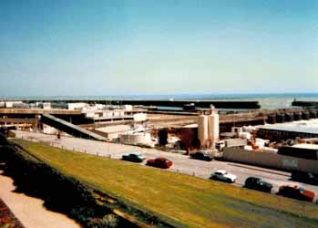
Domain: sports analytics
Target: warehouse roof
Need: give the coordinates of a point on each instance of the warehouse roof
(308, 126)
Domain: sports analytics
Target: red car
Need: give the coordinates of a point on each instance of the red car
(160, 163)
(296, 193)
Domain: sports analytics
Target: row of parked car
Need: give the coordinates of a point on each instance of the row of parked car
(159, 162)
(294, 192)
(254, 183)
(258, 184)
(162, 162)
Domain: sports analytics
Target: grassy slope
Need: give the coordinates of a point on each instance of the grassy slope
(189, 200)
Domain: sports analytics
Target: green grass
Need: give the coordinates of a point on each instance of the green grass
(188, 200)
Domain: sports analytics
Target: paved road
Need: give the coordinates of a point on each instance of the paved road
(182, 163)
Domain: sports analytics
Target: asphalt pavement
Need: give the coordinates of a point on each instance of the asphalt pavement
(181, 163)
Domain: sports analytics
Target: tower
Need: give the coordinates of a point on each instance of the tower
(203, 132)
(213, 126)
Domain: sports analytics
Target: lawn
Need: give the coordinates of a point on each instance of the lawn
(188, 200)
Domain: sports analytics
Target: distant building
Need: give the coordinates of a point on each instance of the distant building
(302, 129)
(306, 151)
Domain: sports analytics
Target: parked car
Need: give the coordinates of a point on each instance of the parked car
(258, 184)
(223, 175)
(202, 155)
(296, 192)
(305, 177)
(134, 157)
(160, 162)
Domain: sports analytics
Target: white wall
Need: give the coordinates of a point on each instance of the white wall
(268, 159)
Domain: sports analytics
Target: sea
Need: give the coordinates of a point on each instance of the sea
(267, 101)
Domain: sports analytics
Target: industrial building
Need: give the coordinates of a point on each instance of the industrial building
(272, 159)
(307, 151)
(292, 130)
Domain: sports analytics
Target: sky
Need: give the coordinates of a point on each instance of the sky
(102, 47)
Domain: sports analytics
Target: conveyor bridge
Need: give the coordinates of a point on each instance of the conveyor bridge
(69, 128)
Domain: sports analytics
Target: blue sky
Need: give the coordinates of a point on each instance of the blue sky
(80, 48)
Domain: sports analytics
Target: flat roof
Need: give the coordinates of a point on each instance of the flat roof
(115, 128)
(303, 126)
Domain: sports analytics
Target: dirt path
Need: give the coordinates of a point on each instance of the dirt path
(30, 211)
(7, 218)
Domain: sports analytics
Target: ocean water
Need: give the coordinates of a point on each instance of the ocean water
(267, 101)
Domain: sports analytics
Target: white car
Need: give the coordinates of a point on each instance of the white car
(223, 175)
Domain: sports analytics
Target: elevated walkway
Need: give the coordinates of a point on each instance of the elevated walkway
(69, 128)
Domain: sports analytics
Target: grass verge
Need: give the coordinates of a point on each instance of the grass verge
(185, 199)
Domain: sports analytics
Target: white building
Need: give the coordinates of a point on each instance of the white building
(140, 138)
(77, 106)
(10, 104)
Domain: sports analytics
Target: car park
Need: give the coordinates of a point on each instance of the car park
(160, 162)
(296, 192)
(258, 184)
(202, 155)
(223, 175)
(134, 157)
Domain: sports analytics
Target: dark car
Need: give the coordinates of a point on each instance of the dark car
(305, 177)
(296, 193)
(258, 184)
(160, 163)
(133, 157)
(201, 155)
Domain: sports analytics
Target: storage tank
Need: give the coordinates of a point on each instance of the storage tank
(213, 127)
(136, 138)
(49, 130)
(203, 129)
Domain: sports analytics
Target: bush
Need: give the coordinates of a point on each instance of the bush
(66, 194)
(60, 192)
(3, 140)
(109, 220)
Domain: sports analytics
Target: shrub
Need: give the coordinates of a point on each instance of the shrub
(60, 192)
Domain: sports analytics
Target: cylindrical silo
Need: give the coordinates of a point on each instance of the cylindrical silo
(203, 129)
(213, 128)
